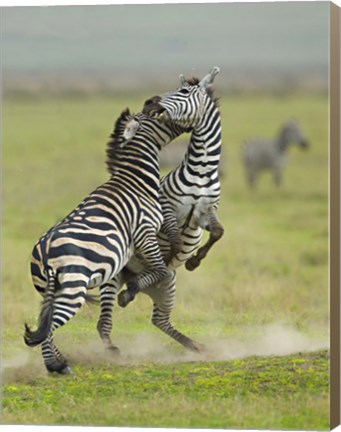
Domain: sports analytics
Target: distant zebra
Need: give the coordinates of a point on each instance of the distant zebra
(259, 154)
(190, 193)
(95, 241)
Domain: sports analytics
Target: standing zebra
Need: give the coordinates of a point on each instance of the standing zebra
(95, 241)
(259, 154)
(190, 193)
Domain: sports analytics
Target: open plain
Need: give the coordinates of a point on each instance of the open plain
(259, 301)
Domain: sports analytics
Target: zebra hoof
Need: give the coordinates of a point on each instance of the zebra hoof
(124, 298)
(197, 347)
(62, 369)
(192, 263)
(114, 350)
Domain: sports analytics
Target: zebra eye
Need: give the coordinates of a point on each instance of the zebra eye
(184, 91)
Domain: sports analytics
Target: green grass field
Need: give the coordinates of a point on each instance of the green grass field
(259, 301)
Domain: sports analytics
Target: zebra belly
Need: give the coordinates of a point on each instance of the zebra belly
(136, 264)
(263, 157)
(200, 208)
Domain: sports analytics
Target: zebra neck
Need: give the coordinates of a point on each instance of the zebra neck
(204, 150)
(143, 184)
(138, 167)
(282, 142)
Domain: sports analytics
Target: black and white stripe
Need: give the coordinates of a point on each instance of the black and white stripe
(190, 194)
(95, 241)
(266, 155)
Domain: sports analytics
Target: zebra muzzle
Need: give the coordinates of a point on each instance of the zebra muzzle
(152, 108)
(161, 116)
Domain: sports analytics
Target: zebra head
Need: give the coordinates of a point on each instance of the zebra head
(291, 133)
(186, 105)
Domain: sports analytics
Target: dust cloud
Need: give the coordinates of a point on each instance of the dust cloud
(21, 367)
(274, 339)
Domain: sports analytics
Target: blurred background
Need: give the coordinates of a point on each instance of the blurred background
(278, 46)
(68, 72)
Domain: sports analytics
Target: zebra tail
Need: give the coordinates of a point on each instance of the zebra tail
(34, 338)
(93, 299)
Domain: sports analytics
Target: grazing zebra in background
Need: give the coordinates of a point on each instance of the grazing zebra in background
(259, 154)
(95, 241)
(190, 193)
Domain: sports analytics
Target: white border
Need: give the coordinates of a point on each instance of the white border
(14, 3)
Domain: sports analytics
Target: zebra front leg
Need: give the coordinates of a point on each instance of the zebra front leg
(216, 231)
(163, 296)
(140, 283)
(170, 227)
(104, 325)
(156, 269)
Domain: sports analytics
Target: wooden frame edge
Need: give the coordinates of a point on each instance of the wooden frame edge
(334, 101)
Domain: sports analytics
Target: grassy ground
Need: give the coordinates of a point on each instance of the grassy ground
(262, 291)
(287, 392)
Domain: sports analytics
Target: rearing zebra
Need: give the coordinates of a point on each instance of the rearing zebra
(189, 193)
(95, 241)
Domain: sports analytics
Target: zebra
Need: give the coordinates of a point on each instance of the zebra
(172, 156)
(96, 240)
(190, 193)
(259, 154)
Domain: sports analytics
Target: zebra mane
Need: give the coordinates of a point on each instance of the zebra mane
(117, 139)
(195, 81)
(192, 81)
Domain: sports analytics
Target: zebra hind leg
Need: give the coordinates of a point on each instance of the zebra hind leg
(163, 296)
(67, 303)
(161, 319)
(104, 324)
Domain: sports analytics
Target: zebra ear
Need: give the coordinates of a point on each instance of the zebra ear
(182, 80)
(208, 79)
(130, 130)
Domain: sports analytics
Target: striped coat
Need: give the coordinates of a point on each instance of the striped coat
(190, 195)
(96, 240)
